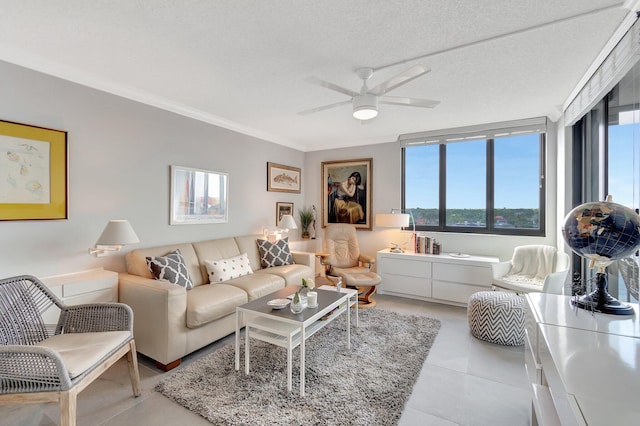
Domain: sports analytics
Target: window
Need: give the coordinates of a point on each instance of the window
(485, 179)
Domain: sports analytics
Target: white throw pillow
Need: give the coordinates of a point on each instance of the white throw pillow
(221, 270)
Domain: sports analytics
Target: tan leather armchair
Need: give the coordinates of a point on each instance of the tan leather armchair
(344, 260)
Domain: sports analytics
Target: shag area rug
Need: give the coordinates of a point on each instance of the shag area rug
(366, 385)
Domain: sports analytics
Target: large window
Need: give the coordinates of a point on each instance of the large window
(482, 180)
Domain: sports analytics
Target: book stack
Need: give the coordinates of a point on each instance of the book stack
(426, 245)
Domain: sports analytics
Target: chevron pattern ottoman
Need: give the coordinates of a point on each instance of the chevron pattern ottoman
(497, 317)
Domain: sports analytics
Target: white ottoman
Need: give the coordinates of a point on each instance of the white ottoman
(497, 317)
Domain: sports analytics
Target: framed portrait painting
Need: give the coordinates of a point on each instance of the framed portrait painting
(281, 178)
(347, 192)
(33, 172)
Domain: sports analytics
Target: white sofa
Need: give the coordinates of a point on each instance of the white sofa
(171, 322)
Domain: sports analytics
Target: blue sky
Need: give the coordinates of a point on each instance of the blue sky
(516, 176)
(623, 155)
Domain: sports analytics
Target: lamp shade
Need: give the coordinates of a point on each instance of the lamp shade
(287, 221)
(118, 233)
(392, 220)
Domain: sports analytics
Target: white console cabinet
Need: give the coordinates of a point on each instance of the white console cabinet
(92, 286)
(439, 278)
(584, 368)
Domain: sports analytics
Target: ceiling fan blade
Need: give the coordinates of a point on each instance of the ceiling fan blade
(395, 100)
(322, 108)
(400, 79)
(331, 86)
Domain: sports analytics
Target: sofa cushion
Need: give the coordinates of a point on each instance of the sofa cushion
(274, 254)
(172, 268)
(257, 285)
(247, 244)
(137, 262)
(292, 274)
(208, 303)
(221, 270)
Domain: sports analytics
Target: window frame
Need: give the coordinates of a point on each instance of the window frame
(490, 182)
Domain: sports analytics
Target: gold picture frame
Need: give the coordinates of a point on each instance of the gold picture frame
(281, 178)
(33, 172)
(347, 192)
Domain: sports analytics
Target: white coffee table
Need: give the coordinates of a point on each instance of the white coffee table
(288, 330)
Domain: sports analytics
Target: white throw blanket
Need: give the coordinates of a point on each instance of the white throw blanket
(535, 261)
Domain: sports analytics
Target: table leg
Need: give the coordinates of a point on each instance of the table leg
(246, 349)
(302, 356)
(349, 324)
(357, 315)
(238, 322)
(289, 363)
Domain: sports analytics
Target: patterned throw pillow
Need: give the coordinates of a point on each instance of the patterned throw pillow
(275, 254)
(226, 269)
(172, 268)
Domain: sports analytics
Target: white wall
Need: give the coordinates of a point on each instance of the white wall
(119, 157)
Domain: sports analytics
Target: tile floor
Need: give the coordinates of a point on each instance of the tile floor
(464, 381)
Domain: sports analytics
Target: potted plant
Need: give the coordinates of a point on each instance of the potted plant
(306, 217)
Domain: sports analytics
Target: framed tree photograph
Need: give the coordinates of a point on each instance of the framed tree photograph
(347, 190)
(283, 209)
(281, 178)
(33, 172)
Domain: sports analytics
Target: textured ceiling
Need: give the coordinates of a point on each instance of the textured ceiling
(244, 64)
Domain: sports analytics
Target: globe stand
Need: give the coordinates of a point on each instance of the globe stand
(600, 300)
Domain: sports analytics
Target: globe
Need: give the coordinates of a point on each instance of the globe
(602, 231)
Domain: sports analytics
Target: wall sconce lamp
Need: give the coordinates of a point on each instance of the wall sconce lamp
(396, 219)
(116, 234)
(287, 223)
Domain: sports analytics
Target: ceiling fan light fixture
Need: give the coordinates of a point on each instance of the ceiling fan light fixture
(365, 107)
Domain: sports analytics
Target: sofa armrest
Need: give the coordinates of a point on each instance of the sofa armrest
(160, 311)
(304, 258)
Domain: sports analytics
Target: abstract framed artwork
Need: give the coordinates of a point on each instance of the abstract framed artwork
(198, 196)
(33, 172)
(347, 192)
(281, 178)
(283, 209)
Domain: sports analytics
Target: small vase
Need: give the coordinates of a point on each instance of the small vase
(303, 293)
(296, 306)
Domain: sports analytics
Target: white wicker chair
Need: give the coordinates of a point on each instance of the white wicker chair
(53, 363)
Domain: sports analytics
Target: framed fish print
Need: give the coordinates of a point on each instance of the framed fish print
(281, 178)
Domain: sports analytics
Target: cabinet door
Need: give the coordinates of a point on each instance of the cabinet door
(454, 292)
(406, 267)
(463, 274)
(405, 276)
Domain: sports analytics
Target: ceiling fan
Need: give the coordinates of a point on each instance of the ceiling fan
(365, 103)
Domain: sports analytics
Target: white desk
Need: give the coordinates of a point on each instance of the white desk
(584, 368)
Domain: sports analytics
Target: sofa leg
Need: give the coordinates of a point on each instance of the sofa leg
(169, 366)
